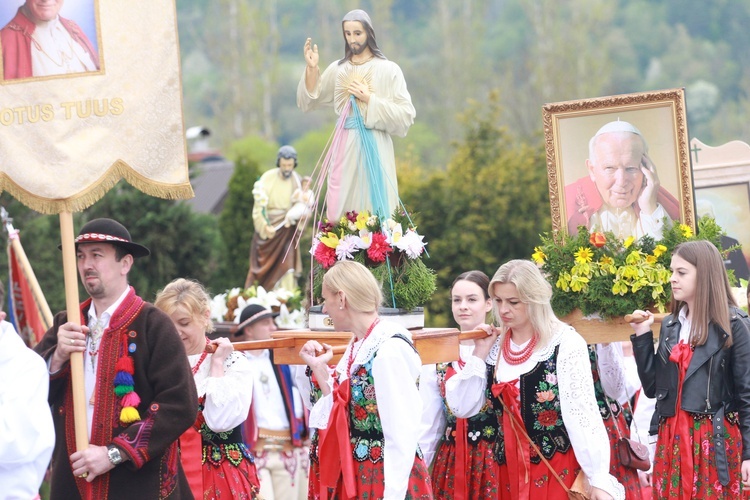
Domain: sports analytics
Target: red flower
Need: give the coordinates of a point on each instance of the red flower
(547, 418)
(325, 255)
(351, 216)
(379, 249)
(375, 452)
(360, 413)
(597, 239)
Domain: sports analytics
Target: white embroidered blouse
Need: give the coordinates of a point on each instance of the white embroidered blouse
(227, 398)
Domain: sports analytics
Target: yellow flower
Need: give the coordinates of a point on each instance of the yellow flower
(344, 221)
(331, 240)
(538, 256)
(659, 250)
(362, 217)
(583, 255)
(629, 241)
(687, 232)
(651, 259)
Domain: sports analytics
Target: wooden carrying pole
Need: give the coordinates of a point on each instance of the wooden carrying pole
(434, 345)
(70, 274)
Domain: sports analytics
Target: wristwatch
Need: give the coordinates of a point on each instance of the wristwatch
(113, 453)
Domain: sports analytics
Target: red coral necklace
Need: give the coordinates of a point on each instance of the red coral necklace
(517, 357)
(352, 353)
(201, 359)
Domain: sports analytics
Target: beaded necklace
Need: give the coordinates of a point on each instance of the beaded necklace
(200, 360)
(352, 354)
(517, 357)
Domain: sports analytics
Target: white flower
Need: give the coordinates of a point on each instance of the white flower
(410, 243)
(259, 195)
(352, 226)
(219, 307)
(315, 243)
(290, 319)
(347, 247)
(365, 239)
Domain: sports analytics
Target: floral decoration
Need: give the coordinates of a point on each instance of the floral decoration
(228, 306)
(601, 274)
(391, 249)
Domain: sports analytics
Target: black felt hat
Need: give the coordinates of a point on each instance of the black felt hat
(110, 231)
(251, 314)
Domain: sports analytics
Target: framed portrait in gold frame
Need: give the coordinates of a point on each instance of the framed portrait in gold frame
(619, 163)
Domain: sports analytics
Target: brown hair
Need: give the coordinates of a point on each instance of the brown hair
(713, 294)
(478, 278)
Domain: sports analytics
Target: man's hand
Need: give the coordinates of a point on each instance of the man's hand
(70, 338)
(647, 199)
(91, 462)
(311, 54)
(360, 90)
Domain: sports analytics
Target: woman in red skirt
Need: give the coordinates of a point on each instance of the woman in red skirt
(464, 465)
(542, 390)
(215, 459)
(368, 417)
(700, 376)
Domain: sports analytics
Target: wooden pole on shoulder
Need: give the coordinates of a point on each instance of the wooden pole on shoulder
(70, 273)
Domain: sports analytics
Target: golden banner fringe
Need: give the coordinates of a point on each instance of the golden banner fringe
(83, 200)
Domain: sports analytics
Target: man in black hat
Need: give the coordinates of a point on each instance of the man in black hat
(272, 260)
(275, 427)
(140, 393)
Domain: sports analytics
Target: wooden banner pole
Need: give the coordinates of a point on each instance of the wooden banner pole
(70, 273)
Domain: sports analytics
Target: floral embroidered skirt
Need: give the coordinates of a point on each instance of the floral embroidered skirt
(668, 468)
(371, 481)
(229, 473)
(627, 476)
(482, 472)
(543, 485)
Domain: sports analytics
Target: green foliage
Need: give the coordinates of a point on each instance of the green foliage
(255, 149)
(310, 147)
(183, 244)
(236, 222)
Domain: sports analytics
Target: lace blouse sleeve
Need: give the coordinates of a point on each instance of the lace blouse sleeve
(465, 391)
(581, 416)
(433, 418)
(228, 398)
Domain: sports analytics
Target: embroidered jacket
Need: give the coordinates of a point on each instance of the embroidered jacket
(168, 406)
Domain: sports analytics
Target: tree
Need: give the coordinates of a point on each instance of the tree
(488, 207)
(236, 221)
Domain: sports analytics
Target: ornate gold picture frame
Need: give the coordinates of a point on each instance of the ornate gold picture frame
(577, 195)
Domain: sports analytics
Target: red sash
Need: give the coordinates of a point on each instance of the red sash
(681, 355)
(462, 450)
(517, 448)
(191, 457)
(334, 452)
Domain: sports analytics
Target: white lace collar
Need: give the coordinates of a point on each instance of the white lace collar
(365, 350)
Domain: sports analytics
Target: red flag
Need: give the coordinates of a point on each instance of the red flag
(25, 309)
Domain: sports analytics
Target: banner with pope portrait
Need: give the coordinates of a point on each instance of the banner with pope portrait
(90, 93)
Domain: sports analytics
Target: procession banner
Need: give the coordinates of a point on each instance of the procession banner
(102, 105)
(26, 313)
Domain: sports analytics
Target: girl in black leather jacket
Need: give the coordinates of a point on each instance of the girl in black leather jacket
(700, 376)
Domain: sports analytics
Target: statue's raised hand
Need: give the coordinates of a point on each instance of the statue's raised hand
(311, 54)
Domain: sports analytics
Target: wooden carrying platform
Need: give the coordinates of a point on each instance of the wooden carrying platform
(597, 331)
